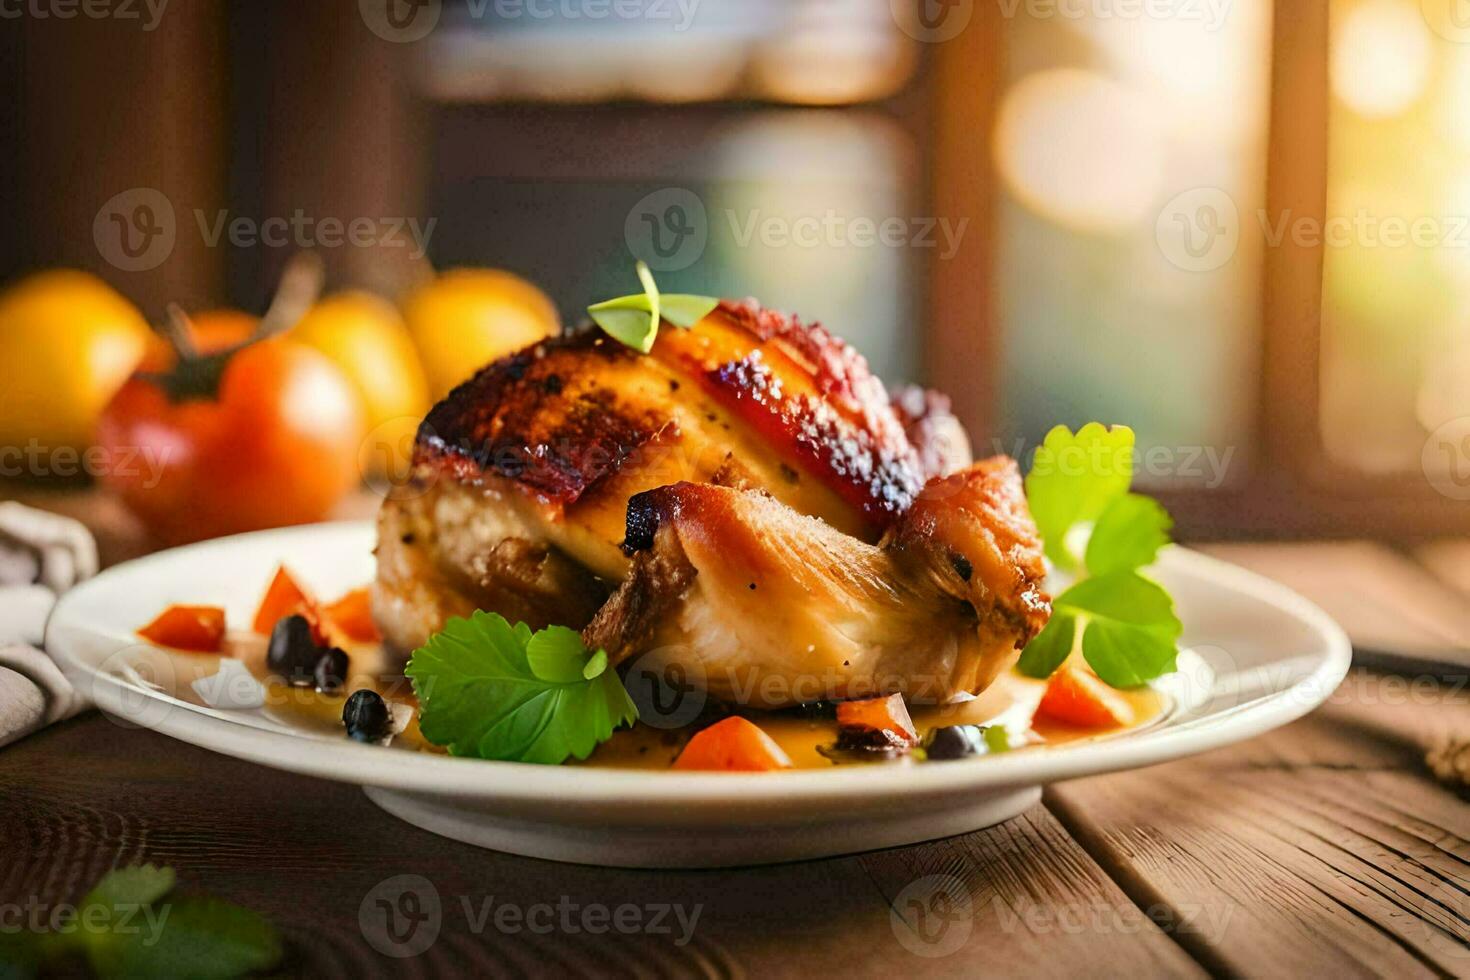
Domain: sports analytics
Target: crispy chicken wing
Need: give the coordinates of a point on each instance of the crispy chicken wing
(770, 608)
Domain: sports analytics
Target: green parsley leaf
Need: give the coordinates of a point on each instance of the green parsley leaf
(492, 691)
(1073, 478)
(1052, 645)
(1128, 535)
(634, 320)
(138, 884)
(1132, 632)
(1127, 623)
(128, 925)
(196, 937)
(556, 654)
(996, 738)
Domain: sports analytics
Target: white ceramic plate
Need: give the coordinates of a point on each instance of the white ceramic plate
(1258, 657)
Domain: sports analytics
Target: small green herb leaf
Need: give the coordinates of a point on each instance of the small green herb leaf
(1129, 630)
(136, 885)
(1073, 478)
(130, 925)
(996, 739)
(556, 654)
(187, 937)
(493, 691)
(1045, 654)
(634, 320)
(1128, 535)
(684, 310)
(595, 666)
(1132, 632)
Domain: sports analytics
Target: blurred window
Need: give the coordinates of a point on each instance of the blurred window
(1396, 239)
(1130, 150)
(738, 146)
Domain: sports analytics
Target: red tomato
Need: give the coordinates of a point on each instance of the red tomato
(267, 439)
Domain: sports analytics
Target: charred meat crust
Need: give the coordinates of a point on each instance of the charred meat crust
(561, 416)
(814, 399)
(541, 418)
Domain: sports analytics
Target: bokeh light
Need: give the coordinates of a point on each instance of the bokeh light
(1080, 149)
(1381, 58)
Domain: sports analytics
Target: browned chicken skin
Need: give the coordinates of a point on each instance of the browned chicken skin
(744, 500)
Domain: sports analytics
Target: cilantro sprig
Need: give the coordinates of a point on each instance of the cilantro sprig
(491, 690)
(131, 925)
(634, 320)
(1129, 630)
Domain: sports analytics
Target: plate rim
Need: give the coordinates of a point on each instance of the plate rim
(522, 783)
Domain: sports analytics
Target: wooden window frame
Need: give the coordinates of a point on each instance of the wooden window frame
(1290, 486)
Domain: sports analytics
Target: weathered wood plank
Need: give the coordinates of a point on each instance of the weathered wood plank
(1323, 848)
(84, 795)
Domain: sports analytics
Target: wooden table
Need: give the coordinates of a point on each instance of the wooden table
(1322, 849)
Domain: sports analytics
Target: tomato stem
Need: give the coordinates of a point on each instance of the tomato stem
(296, 293)
(178, 330)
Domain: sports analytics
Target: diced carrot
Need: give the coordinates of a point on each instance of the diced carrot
(352, 616)
(732, 745)
(200, 629)
(879, 719)
(285, 598)
(1078, 697)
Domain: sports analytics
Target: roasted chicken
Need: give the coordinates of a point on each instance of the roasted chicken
(745, 502)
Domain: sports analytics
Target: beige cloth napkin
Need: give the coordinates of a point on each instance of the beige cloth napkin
(41, 556)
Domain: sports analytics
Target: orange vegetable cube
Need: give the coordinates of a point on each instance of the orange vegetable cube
(878, 720)
(352, 616)
(285, 598)
(1079, 697)
(732, 745)
(199, 629)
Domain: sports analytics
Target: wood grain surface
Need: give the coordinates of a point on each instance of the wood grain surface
(1322, 849)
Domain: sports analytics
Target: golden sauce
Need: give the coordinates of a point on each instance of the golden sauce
(1010, 702)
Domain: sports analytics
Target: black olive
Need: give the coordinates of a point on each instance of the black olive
(367, 717)
(956, 742)
(293, 653)
(331, 671)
